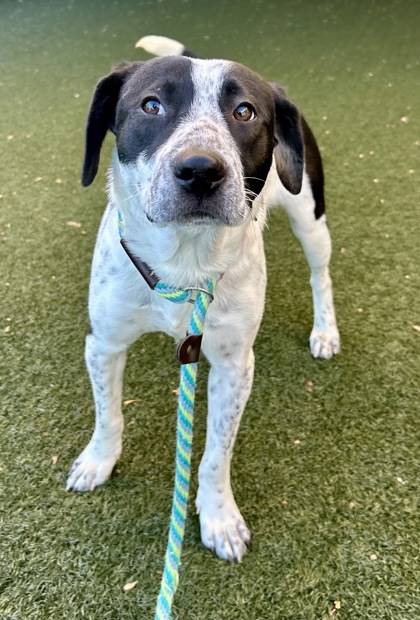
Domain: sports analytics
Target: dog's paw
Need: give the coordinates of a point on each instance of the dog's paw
(224, 531)
(90, 470)
(324, 344)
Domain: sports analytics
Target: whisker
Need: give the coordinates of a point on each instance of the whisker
(256, 179)
(127, 198)
(250, 194)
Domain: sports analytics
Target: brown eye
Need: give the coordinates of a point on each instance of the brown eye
(152, 106)
(244, 112)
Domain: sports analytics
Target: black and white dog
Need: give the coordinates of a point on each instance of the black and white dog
(203, 147)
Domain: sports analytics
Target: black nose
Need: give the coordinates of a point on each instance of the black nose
(198, 171)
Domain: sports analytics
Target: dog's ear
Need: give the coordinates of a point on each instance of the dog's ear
(101, 117)
(289, 145)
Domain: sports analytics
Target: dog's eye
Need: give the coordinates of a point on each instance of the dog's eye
(244, 112)
(152, 106)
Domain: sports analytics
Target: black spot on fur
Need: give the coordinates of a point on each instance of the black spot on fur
(166, 79)
(255, 139)
(116, 106)
(277, 126)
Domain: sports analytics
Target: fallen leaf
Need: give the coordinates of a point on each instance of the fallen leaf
(130, 585)
(74, 224)
(175, 392)
(309, 385)
(336, 606)
(54, 459)
(130, 401)
(416, 328)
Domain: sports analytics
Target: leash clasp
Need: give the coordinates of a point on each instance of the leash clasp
(188, 350)
(198, 289)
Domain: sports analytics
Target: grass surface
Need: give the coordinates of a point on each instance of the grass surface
(326, 475)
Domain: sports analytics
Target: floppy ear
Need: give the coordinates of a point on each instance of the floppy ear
(289, 148)
(101, 117)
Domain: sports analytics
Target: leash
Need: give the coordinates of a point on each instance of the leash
(188, 354)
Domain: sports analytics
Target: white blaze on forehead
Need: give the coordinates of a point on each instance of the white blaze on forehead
(204, 128)
(208, 77)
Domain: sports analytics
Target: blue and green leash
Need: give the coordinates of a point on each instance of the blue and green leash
(184, 436)
(188, 355)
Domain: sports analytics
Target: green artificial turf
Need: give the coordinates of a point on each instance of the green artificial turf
(326, 465)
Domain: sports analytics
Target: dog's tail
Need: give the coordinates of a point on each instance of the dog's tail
(163, 46)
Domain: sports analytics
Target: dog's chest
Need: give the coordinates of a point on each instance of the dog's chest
(168, 317)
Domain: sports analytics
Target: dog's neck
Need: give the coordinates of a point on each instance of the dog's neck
(180, 255)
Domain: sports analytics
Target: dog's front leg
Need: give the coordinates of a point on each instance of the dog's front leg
(223, 528)
(94, 465)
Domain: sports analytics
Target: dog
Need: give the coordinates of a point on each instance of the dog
(203, 148)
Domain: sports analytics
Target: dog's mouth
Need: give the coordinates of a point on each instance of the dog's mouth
(188, 210)
(194, 218)
(197, 216)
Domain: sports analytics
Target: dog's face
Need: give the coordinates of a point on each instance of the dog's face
(195, 138)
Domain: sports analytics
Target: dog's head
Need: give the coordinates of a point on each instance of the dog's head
(195, 138)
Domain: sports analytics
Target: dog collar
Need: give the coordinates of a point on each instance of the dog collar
(143, 268)
(188, 351)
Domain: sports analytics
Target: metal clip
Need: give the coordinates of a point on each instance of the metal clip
(197, 289)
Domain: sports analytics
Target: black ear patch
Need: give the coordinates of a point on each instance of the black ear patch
(289, 148)
(101, 117)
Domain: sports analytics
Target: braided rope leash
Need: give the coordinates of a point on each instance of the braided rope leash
(184, 436)
(188, 354)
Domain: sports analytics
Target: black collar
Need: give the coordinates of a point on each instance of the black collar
(143, 268)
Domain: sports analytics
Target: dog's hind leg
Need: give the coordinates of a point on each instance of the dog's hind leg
(94, 465)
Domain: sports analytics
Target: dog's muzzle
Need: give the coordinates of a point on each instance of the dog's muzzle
(199, 172)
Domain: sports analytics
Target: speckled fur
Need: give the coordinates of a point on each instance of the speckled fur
(122, 307)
